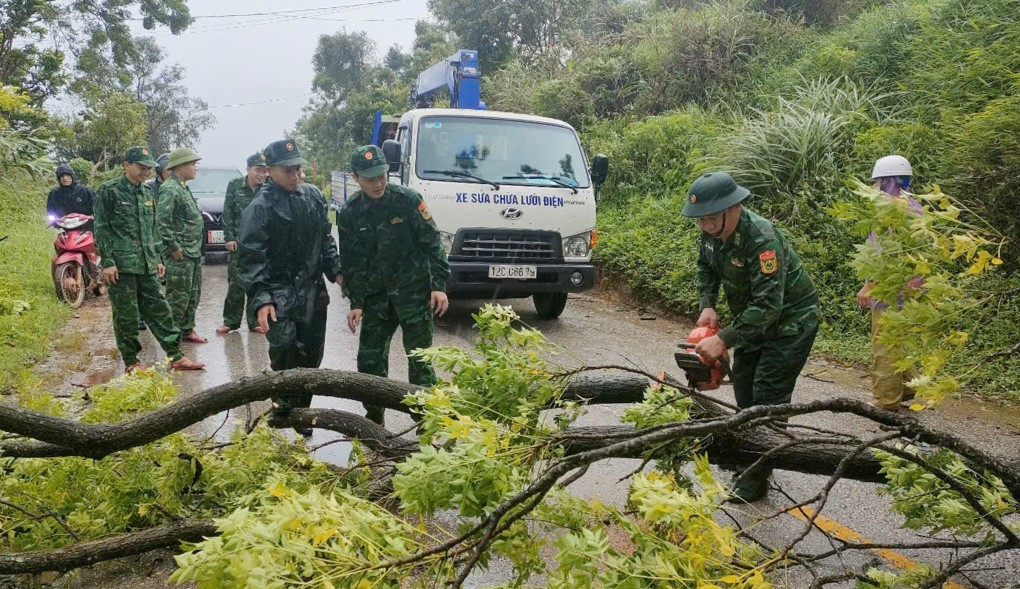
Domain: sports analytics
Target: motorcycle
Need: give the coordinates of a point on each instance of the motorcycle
(76, 267)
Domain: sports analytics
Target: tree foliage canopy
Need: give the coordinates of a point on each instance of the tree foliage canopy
(37, 36)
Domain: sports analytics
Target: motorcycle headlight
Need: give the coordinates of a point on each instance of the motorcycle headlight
(576, 246)
(447, 241)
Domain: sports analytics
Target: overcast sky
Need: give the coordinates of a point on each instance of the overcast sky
(256, 71)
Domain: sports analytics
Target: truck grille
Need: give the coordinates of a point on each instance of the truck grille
(507, 245)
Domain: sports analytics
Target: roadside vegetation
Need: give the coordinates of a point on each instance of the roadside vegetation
(795, 99)
(29, 311)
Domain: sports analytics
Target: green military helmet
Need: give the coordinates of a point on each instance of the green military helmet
(139, 155)
(368, 161)
(284, 153)
(713, 193)
(181, 156)
(256, 159)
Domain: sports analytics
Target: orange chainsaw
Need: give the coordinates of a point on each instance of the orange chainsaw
(702, 374)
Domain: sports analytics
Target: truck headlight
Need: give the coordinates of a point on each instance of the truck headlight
(576, 246)
(447, 240)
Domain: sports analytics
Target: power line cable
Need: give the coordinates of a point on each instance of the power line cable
(266, 101)
(276, 12)
(319, 14)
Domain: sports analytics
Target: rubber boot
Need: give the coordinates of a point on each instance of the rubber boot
(750, 486)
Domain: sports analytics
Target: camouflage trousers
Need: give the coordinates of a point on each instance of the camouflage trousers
(379, 321)
(767, 375)
(183, 290)
(297, 341)
(235, 305)
(137, 296)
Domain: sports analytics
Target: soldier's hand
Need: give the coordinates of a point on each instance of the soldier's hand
(110, 275)
(353, 319)
(266, 314)
(708, 318)
(177, 254)
(231, 246)
(160, 270)
(711, 348)
(439, 302)
(864, 295)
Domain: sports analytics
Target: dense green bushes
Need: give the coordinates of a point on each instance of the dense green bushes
(934, 80)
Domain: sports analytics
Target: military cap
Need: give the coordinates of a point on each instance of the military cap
(368, 161)
(181, 156)
(285, 153)
(256, 159)
(162, 161)
(139, 155)
(713, 193)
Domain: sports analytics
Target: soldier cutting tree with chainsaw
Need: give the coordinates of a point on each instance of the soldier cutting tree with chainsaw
(770, 295)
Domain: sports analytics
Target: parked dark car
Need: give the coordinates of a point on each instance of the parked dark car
(209, 188)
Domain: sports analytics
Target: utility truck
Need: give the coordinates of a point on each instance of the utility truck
(513, 195)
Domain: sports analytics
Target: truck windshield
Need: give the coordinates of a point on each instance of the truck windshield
(502, 151)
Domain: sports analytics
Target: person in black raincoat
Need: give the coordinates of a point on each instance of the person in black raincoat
(285, 247)
(69, 197)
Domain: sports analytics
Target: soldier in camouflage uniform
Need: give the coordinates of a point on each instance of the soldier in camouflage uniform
(125, 235)
(161, 175)
(180, 227)
(774, 305)
(240, 193)
(285, 246)
(153, 186)
(395, 269)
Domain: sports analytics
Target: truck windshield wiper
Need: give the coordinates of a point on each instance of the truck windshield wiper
(553, 179)
(461, 174)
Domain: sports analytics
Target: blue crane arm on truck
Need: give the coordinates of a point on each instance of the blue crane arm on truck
(457, 74)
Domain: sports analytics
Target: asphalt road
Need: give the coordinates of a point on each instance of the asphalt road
(593, 331)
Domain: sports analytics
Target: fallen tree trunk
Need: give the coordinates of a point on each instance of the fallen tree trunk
(55, 437)
(728, 438)
(86, 553)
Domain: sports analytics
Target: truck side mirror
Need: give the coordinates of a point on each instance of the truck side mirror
(391, 149)
(599, 169)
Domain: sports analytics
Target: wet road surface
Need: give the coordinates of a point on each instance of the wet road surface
(593, 331)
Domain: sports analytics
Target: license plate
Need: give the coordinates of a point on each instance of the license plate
(216, 236)
(510, 271)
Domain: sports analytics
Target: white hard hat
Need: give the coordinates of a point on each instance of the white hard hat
(891, 165)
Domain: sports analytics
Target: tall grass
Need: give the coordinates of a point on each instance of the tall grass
(29, 312)
(804, 144)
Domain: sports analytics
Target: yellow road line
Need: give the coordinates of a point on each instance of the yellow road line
(838, 530)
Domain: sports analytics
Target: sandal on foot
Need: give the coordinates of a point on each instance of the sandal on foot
(194, 338)
(224, 330)
(184, 363)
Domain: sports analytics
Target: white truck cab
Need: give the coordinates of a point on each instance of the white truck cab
(513, 196)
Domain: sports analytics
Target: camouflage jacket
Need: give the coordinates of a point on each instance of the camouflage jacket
(285, 245)
(767, 289)
(239, 196)
(125, 227)
(178, 220)
(390, 245)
